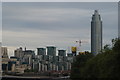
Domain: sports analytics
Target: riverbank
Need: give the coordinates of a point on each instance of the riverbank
(10, 77)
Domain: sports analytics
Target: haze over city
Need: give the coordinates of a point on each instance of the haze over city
(40, 24)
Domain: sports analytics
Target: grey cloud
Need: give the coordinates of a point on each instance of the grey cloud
(60, 1)
(0, 22)
(37, 17)
(60, 24)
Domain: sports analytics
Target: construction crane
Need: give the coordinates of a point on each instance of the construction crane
(76, 49)
(79, 42)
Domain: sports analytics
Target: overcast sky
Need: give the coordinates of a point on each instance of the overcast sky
(39, 24)
(60, 0)
(0, 21)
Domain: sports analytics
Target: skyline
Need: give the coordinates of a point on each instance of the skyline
(30, 24)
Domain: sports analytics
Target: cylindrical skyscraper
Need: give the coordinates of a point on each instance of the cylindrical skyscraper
(96, 33)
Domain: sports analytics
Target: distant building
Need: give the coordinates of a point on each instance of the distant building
(62, 60)
(29, 52)
(42, 62)
(24, 55)
(4, 52)
(11, 66)
(28, 56)
(96, 33)
(51, 50)
(5, 58)
(61, 52)
(41, 51)
(70, 58)
(4, 67)
(19, 53)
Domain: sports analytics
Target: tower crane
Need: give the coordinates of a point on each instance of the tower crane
(79, 42)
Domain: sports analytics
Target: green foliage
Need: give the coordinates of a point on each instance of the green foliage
(116, 47)
(103, 65)
(79, 63)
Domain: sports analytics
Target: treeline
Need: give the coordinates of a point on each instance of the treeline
(104, 65)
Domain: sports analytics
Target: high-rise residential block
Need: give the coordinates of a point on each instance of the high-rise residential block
(51, 50)
(41, 51)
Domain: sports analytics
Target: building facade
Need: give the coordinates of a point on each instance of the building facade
(25, 60)
(51, 50)
(5, 58)
(50, 61)
(41, 51)
(96, 33)
(4, 52)
(19, 53)
(62, 52)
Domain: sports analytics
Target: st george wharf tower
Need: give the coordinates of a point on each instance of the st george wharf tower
(96, 33)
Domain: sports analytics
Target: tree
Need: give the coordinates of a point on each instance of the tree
(79, 64)
(116, 47)
(104, 65)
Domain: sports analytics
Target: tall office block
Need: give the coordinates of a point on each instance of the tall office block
(61, 52)
(51, 50)
(19, 53)
(28, 56)
(96, 33)
(4, 52)
(41, 51)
